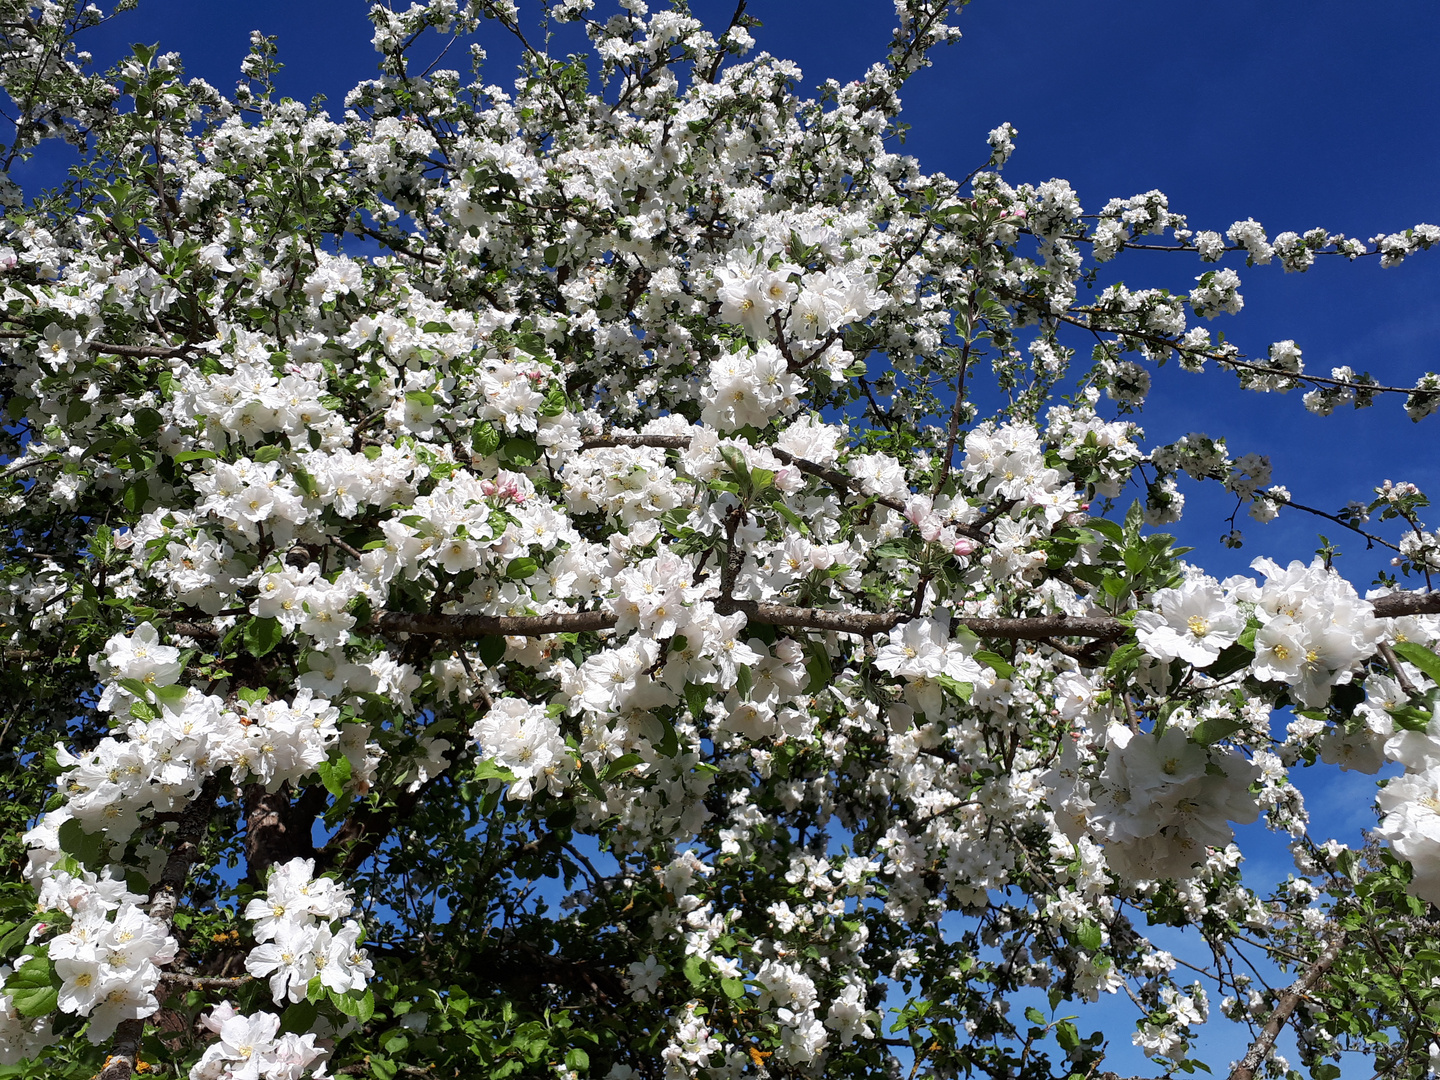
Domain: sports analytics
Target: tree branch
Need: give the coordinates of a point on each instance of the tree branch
(1024, 628)
(953, 435)
(194, 820)
(1283, 1010)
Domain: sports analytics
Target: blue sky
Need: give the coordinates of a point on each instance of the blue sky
(1300, 113)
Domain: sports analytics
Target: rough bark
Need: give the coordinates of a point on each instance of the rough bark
(1285, 1008)
(1033, 628)
(125, 1048)
(276, 829)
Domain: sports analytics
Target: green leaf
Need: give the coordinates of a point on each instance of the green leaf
(695, 970)
(817, 666)
(195, 455)
(622, 764)
(172, 696)
(305, 482)
(1034, 1015)
(267, 454)
(734, 988)
(792, 517)
(135, 495)
(669, 746)
(531, 343)
(335, 775)
(491, 649)
(14, 934)
(589, 781)
(34, 987)
(89, 848)
(1421, 657)
(1002, 667)
(1115, 586)
(298, 1018)
(485, 439)
(696, 698)
(485, 769)
(1089, 936)
(147, 422)
(577, 1059)
(1409, 718)
(555, 402)
(262, 635)
(1230, 660)
(521, 452)
(898, 548)
(520, 568)
(961, 690)
(135, 688)
(361, 1008)
(1125, 656)
(744, 681)
(1107, 529)
(1067, 1036)
(1208, 732)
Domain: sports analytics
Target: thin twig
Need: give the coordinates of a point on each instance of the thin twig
(953, 435)
(1393, 661)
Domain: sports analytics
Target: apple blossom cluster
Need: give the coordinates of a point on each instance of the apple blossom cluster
(1313, 629)
(1158, 803)
(297, 942)
(108, 953)
(784, 981)
(172, 741)
(252, 1046)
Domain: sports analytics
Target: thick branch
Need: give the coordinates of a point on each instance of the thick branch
(194, 820)
(1283, 1010)
(1032, 628)
(277, 830)
(659, 442)
(468, 627)
(845, 622)
(206, 982)
(156, 352)
(1398, 605)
